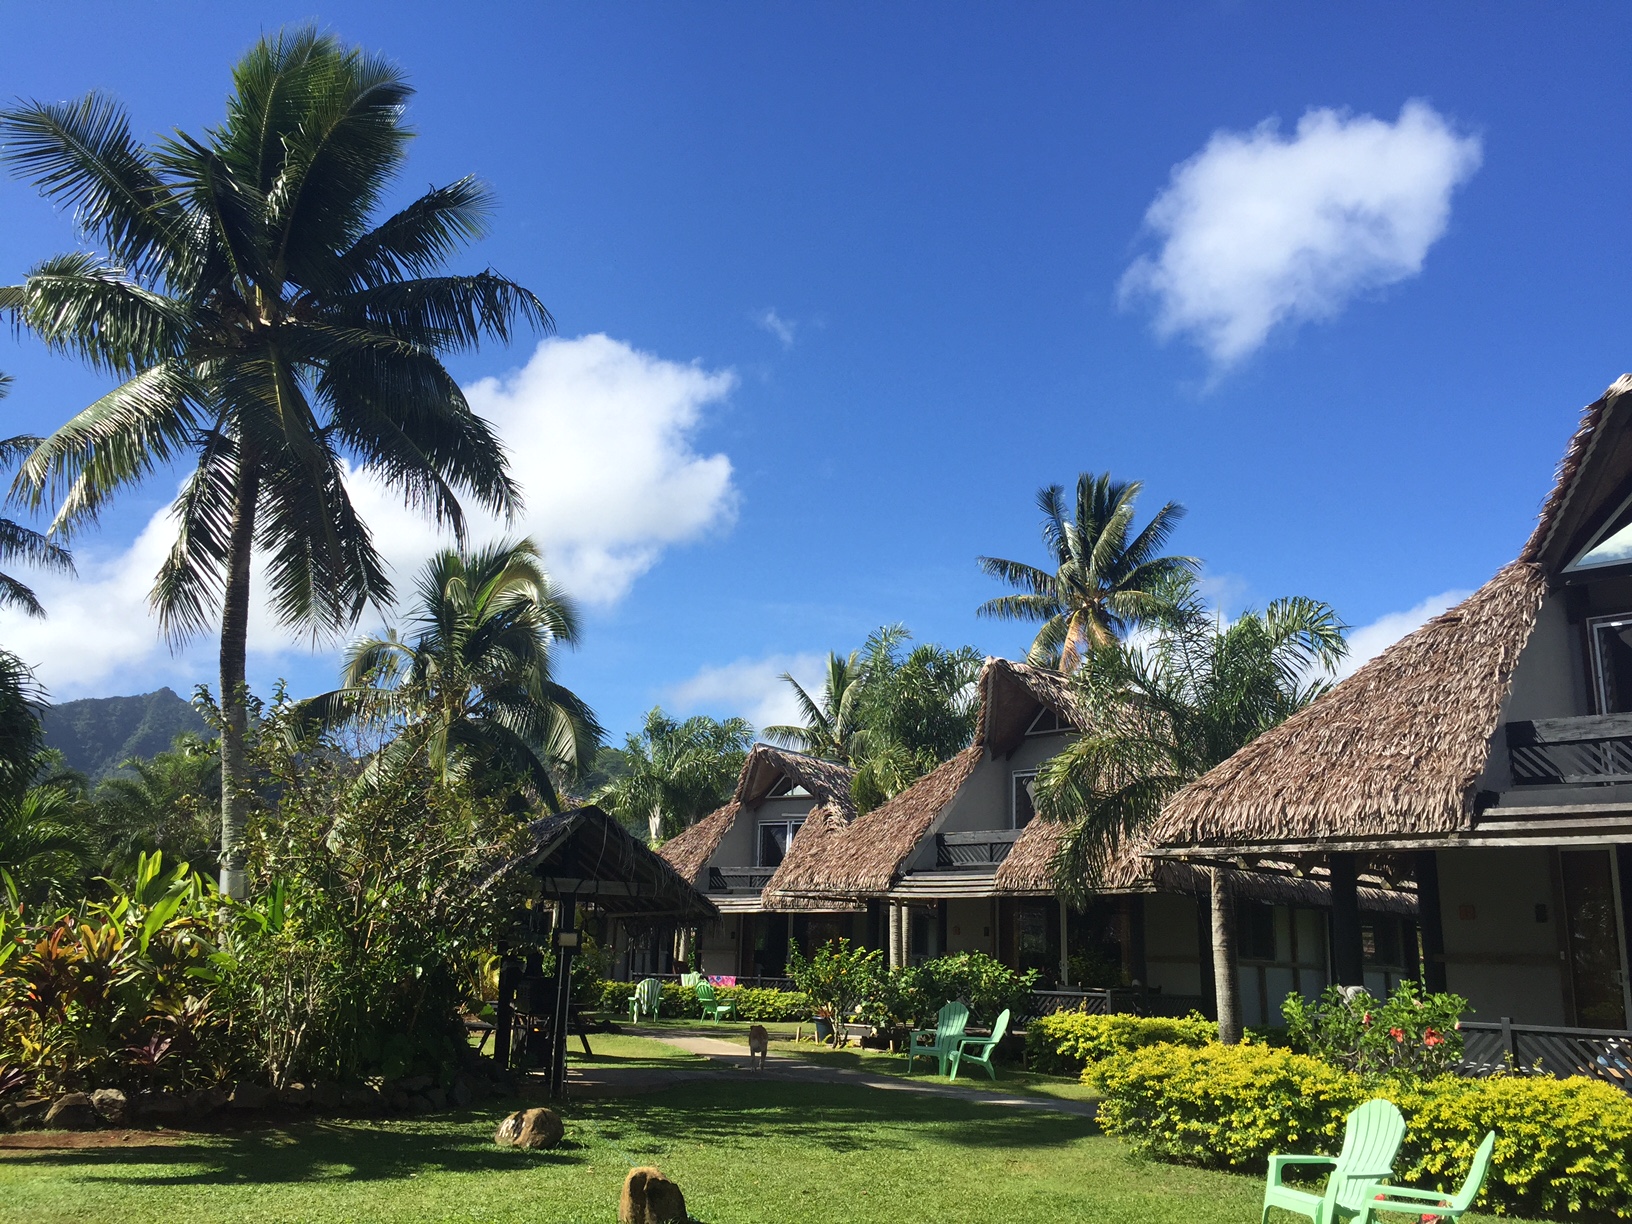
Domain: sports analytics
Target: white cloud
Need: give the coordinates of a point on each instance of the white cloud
(1259, 229)
(600, 438)
(782, 329)
(1369, 641)
(750, 688)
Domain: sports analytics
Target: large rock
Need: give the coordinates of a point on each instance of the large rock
(161, 1108)
(111, 1105)
(651, 1198)
(203, 1102)
(23, 1112)
(530, 1128)
(71, 1111)
(295, 1096)
(250, 1096)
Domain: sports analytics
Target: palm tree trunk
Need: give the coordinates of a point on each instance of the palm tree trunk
(234, 694)
(1226, 981)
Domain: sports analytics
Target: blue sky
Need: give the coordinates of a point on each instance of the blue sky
(839, 286)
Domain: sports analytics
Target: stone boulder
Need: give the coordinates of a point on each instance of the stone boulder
(203, 1102)
(162, 1108)
(650, 1198)
(111, 1105)
(250, 1096)
(71, 1111)
(23, 1112)
(295, 1096)
(530, 1128)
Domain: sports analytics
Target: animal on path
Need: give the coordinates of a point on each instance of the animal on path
(759, 1044)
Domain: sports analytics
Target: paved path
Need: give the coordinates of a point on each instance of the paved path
(731, 1058)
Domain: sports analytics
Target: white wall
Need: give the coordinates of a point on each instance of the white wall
(1496, 953)
(971, 925)
(1172, 952)
(717, 948)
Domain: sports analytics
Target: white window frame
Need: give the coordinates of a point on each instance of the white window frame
(1014, 790)
(792, 823)
(1600, 698)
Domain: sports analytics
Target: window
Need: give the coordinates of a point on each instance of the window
(786, 788)
(1612, 545)
(1254, 931)
(1024, 805)
(1047, 722)
(1612, 663)
(774, 838)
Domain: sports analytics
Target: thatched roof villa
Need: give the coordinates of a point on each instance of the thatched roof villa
(1490, 752)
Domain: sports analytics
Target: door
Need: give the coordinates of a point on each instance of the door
(1595, 941)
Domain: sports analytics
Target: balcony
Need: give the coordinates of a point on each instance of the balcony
(1594, 751)
(982, 849)
(739, 879)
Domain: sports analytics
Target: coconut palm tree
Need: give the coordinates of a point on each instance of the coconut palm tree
(19, 543)
(474, 680)
(270, 329)
(1104, 575)
(676, 772)
(832, 717)
(1160, 713)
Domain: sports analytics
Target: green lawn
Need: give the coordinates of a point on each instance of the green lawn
(745, 1152)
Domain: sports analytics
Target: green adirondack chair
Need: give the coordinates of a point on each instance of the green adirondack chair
(648, 997)
(943, 1042)
(1371, 1138)
(1411, 1201)
(713, 1009)
(690, 979)
(979, 1049)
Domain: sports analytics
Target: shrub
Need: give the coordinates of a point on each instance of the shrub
(1560, 1144)
(752, 1003)
(1410, 1033)
(837, 977)
(1064, 1042)
(1223, 1106)
(985, 985)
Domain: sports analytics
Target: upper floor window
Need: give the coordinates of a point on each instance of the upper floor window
(786, 788)
(1612, 662)
(775, 836)
(1024, 805)
(1047, 722)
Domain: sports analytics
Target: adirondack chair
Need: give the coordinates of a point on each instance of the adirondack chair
(690, 979)
(979, 1049)
(943, 1042)
(1412, 1201)
(1371, 1138)
(646, 1000)
(713, 1009)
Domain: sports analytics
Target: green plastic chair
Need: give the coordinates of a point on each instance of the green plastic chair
(1434, 1202)
(713, 1009)
(1371, 1138)
(979, 1049)
(646, 1000)
(690, 979)
(941, 1044)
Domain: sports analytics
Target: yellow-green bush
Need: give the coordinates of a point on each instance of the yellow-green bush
(1561, 1145)
(1064, 1042)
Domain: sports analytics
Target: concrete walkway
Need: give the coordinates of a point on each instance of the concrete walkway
(731, 1059)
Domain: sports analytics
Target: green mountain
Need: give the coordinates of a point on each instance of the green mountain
(97, 733)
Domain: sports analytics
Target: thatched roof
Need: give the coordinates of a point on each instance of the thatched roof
(688, 852)
(1393, 751)
(827, 782)
(862, 857)
(1029, 871)
(820, 841)
(587, 854)
(1009, 696)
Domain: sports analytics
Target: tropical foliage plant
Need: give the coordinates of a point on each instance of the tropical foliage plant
(1105, 577)
(20, 543)
(475, 677)
(268, 328)
(168, 802)
(675, 771)
(1411, 1033)
(837, 977)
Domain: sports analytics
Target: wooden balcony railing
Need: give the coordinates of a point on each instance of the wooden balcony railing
(982, 848)
(739, 879)
(1571, 751)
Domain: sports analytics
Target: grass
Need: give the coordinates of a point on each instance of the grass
(744, 1153)
(882, 1062)
(616, 1049)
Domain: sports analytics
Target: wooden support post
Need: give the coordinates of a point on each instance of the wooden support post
(1430, 920)
(504, 1011)
(1348, 955)
(1065, 943)
(566, 945)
